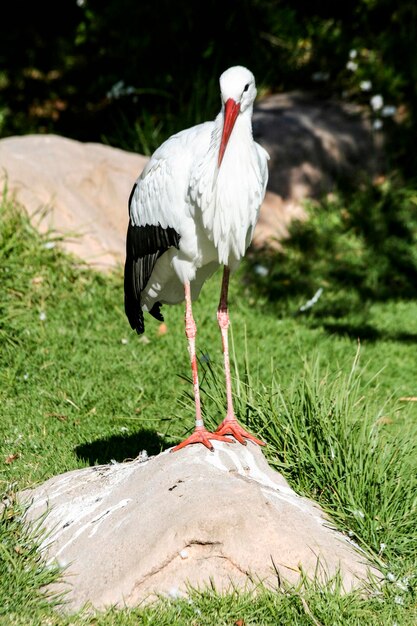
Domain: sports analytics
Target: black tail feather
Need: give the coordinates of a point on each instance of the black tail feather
(133, 309)
(145, 243)
(156, 311)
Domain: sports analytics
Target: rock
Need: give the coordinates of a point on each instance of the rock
(274, 221)
(85, 186)
(314, 144)
(128, 531)
(81, 190)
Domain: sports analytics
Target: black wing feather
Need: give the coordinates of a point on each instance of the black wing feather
(144, 245)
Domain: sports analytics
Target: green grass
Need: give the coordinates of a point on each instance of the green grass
(78, 387)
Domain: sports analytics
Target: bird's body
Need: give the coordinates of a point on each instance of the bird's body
(195, 205)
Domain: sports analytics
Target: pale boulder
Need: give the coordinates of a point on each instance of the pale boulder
(128, 532)
(85, 187)
(79, 190)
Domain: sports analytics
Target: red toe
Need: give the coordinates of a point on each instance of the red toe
(201, 435)
(231, 426)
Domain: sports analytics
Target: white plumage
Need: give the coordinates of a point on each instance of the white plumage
(195, 205)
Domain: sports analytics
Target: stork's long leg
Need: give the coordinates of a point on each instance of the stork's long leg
(224, 322)
(200, 434)
(230, 425)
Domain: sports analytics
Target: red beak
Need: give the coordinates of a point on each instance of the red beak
(231, 111)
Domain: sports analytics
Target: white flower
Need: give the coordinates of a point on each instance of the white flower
(377, 102)
(25, 376)
(399, 600)
(49, 245)
(124, 341)
(116, 90)
(260, 270)
(388, 110)
(352, 66)
(391, 577)
(377, 124)
(319, 77)
(42, 316)
(119, 89)
(365, 85)
(353, 54)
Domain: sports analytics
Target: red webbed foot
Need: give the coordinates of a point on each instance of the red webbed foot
(230, 426)
(201, 435)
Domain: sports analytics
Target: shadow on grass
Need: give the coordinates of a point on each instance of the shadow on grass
(356, 248)
(367, 332)
(121, 447)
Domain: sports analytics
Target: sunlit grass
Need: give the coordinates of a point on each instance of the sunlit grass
(78, 387)
(326, 434)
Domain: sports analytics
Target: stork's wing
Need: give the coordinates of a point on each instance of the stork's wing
(263, 158)
(157, 212)
(145, 243)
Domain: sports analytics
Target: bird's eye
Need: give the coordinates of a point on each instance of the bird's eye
(246, 87)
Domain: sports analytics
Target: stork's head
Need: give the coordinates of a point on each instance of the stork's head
(238, 92)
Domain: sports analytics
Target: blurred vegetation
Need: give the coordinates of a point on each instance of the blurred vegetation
(130, 73)
(357, 247)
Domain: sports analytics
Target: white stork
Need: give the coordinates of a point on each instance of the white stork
(193, 208)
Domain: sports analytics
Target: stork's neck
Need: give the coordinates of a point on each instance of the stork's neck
(241, 133)
(228, 197)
